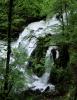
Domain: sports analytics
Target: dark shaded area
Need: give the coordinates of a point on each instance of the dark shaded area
(60, 75)
(16, 32)
(38, 55)
(74, 72)
(30, 19)
(37, 95)
(63, 55)
(47, 89)
(61, 79)
(58, 16)
(30, 64)
(53, 51)
(40, 51)
(39, 71)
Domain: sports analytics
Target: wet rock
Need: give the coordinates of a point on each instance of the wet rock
(47, 89)
(37, 91)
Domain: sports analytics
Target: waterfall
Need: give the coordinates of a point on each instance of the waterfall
(42, 82)
(35, 30)
(28, 40)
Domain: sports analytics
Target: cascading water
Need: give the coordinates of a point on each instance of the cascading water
(28, 40)
(42, 82)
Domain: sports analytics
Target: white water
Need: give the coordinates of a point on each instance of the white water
(34, 30)
(41, 83)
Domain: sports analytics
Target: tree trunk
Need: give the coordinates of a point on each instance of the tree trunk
(63, 26)
(6, 83)
(66, 14)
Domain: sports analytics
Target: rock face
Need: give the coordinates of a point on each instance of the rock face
(37, 95)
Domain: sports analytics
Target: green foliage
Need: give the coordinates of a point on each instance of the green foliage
(69, 34)
(16, 76)
(23, 10)
(73, 56)
(20, 56)
(2, 72)
(39, 70)
(17, 79)
(60, 4)
(62, 79)
(17, 67)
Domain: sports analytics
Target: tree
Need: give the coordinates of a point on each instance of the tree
(69, 28)
(6, 83)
